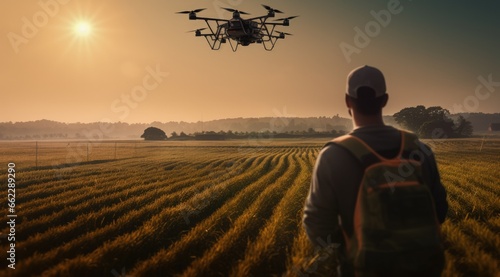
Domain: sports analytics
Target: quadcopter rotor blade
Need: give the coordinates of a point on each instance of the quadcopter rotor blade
(193, 11)
(287, 18)
(196, 30)
(233, 10)
(271, 9)
(228, 9)
(288, 34)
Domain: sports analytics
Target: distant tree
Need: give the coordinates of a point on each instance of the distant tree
(436, 129)
(153, 133)
(182, 134)
(174, 134)
(464, 127)
(433, 122)
(413, 118)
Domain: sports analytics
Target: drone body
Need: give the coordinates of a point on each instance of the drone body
(242, 31)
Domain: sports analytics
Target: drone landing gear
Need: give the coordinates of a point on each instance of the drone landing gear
(271, 42)
(215, 43)
(234, 47)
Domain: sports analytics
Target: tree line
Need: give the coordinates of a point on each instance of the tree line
(153, 133)
(432, 122)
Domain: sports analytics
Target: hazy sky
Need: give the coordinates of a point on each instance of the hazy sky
(137, 63)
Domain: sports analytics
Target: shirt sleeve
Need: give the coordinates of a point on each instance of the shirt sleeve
(437, 189)
(320, 209)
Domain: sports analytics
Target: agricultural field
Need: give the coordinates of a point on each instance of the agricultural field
(230, 208)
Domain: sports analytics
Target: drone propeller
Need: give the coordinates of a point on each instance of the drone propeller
(271, 9)
(283, 33)
(193, 11)
(233, 10)
(197, 30)
(287, 18)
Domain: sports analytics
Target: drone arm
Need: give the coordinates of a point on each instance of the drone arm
(264, 17)
(212, 19)
(275, 24)
(210, 27)
(264, 27)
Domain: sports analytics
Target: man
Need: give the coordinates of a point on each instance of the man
(330, 206)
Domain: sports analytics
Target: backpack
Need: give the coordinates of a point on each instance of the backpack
(395, 222)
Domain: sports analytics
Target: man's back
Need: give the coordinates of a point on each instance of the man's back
(336, 179)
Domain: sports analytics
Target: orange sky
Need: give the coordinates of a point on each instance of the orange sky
(138, 64)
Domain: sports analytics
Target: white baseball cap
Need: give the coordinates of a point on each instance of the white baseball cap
(365, 76)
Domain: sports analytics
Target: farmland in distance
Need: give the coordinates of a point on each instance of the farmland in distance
(229, 208)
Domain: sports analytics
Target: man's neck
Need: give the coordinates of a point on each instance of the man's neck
(360, 120)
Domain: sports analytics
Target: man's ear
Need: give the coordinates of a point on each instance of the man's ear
(384, 101)
(348, 101)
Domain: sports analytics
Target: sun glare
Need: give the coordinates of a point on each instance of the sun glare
(83, 28)
(83, 33)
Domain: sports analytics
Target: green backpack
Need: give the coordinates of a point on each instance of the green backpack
(395, 222)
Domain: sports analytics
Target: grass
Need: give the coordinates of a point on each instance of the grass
(229, 208)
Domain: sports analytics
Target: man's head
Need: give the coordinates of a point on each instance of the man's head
(366, 91)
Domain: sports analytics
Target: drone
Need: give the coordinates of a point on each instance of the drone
(242, 31)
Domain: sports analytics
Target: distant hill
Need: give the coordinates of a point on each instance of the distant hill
(47, 129)
(52, 130)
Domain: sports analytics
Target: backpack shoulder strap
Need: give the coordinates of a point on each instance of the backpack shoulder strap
(358, 148)
(409, 143)
(367, 156)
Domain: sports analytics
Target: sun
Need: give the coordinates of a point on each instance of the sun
(83, 28)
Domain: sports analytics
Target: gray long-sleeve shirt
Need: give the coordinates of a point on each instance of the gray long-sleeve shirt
(336, 178)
